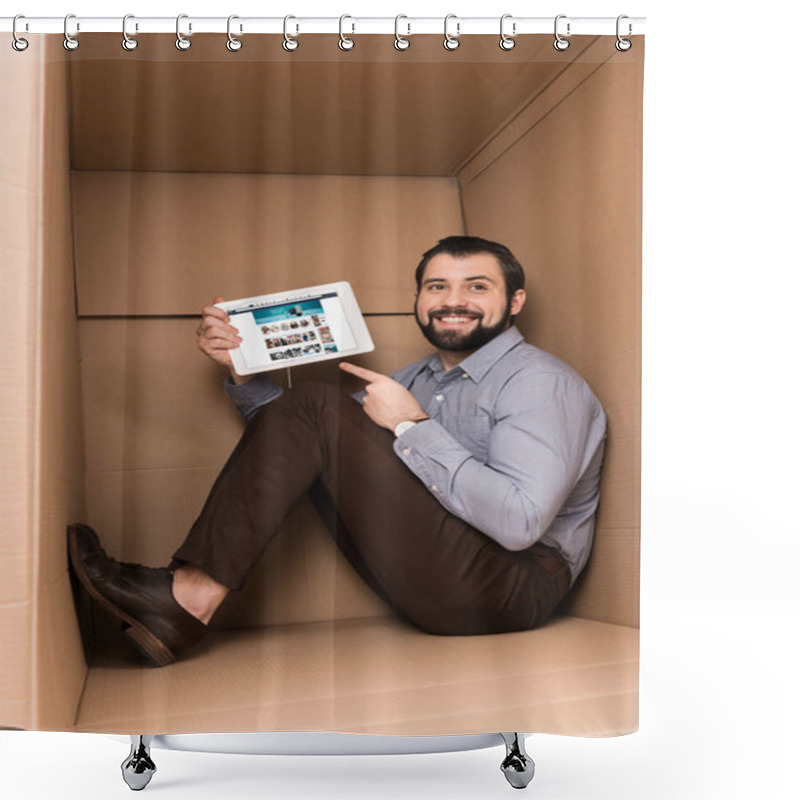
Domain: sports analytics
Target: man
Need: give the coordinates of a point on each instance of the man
(462, 489)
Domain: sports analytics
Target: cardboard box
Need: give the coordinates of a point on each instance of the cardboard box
(136, 187)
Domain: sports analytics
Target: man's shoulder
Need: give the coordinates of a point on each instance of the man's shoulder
(526, 358)
(529, 369)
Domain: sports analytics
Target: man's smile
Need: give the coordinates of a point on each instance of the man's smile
(454, 322)
(448, 319)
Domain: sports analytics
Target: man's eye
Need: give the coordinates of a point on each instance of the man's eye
(478, 286)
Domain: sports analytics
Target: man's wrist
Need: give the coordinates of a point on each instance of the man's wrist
(407, 424)
(239, 379)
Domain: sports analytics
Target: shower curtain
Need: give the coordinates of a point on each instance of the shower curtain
(141, 183)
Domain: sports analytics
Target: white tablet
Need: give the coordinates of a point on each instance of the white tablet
(298, 327)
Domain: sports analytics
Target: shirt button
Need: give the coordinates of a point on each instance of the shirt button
(406, 451)
(464, 375)
(434, 488)
(440, 397)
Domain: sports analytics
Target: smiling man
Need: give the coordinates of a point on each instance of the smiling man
(463, 488)
(464, 301)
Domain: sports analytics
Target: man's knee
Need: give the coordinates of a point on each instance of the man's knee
(316, 392)
(305, 397)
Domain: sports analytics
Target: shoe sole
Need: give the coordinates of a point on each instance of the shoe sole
(150, 646)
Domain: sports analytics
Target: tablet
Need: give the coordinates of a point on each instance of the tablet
(298, 327)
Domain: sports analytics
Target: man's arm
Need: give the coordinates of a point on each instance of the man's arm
(216, 337)
(385, 401)
(545, 434)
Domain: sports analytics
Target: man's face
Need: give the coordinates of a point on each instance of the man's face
(462, 302)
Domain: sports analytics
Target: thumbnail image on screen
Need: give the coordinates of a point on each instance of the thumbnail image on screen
(308, 327)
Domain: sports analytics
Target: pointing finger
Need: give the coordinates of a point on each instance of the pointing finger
(360, 372)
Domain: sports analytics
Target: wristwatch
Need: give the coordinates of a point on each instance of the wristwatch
(402, 427)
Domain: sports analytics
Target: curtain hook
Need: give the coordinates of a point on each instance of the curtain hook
(506, 41)
(290, 43)
(128, 42)
(400, 42)
(18, 43)
(182, 43)
(451, 42)
(233, 44)
(623, 44)
(70, 42)
(560, 42)
(344, 42)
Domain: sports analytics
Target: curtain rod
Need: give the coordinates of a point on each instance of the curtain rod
(297, 26)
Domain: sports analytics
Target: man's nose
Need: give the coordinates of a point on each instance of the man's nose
(455, 298)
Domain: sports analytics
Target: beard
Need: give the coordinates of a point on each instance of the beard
(455, 341)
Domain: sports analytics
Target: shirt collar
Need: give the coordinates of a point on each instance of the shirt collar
(477, 364)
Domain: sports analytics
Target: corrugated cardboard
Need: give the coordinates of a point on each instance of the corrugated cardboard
(60, 666)
(378, 676)
(571, 182)
(547, 160)
(20, 123)
(262, 109)
(43, 666)
(167, 243)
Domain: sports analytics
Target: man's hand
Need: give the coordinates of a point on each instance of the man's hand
(387, 402)
(216, 337)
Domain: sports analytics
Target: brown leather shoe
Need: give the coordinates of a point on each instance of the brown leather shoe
(140, 596)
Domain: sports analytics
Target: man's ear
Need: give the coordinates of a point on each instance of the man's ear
(517, 301)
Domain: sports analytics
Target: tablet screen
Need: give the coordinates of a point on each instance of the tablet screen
(278, 332)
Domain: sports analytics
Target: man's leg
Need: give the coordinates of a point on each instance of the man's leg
(435, 569)
(198, 592)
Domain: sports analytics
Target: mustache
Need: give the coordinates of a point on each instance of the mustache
(455, 312)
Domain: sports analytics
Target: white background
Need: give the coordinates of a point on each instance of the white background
(719, 695)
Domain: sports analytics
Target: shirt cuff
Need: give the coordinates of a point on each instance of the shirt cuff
(431, 453)
(253, 394)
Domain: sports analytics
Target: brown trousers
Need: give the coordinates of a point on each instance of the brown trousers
(432, 568)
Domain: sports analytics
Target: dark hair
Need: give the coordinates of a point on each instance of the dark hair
(460, 246)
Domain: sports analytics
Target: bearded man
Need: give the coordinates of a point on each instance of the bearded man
(463, 488)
